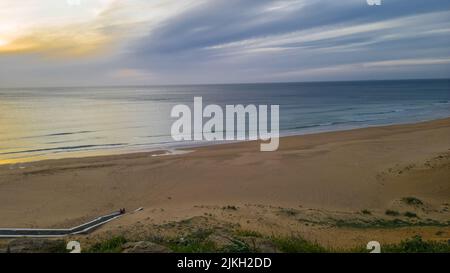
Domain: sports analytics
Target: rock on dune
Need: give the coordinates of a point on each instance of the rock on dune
(28, 245)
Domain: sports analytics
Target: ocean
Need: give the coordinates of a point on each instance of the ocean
(51, 123)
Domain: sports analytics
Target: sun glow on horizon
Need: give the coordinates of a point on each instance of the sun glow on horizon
(59, 28)
(53, 26)
(3, 42)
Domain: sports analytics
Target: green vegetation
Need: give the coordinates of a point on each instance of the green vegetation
(377, 223)
(417, 245)
(237, 247)
(296, 244)
(195, 242)
(199, 242)
(412, 201)
(112, 245)
(365, 211)
(292, 244)
(392, 212)
(381, 223)
(191, 246)
(410, 214)
(413, 245)
(230, 208)
(248, 233)
(288, 211)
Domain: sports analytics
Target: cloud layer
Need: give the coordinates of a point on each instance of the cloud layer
(164, 42)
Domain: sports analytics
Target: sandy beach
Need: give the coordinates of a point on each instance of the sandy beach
(317, 178)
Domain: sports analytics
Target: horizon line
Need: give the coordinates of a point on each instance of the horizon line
(212, 84)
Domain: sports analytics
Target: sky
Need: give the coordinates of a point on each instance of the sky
(152, 42)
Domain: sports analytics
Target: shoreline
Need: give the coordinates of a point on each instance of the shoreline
(309, 186)
(183, 148)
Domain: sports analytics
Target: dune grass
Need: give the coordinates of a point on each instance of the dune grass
(417, 245)
(198, 243)
(296, 244)
(112, 245)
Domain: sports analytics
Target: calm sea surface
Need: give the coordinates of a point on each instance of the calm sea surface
(43, 123)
